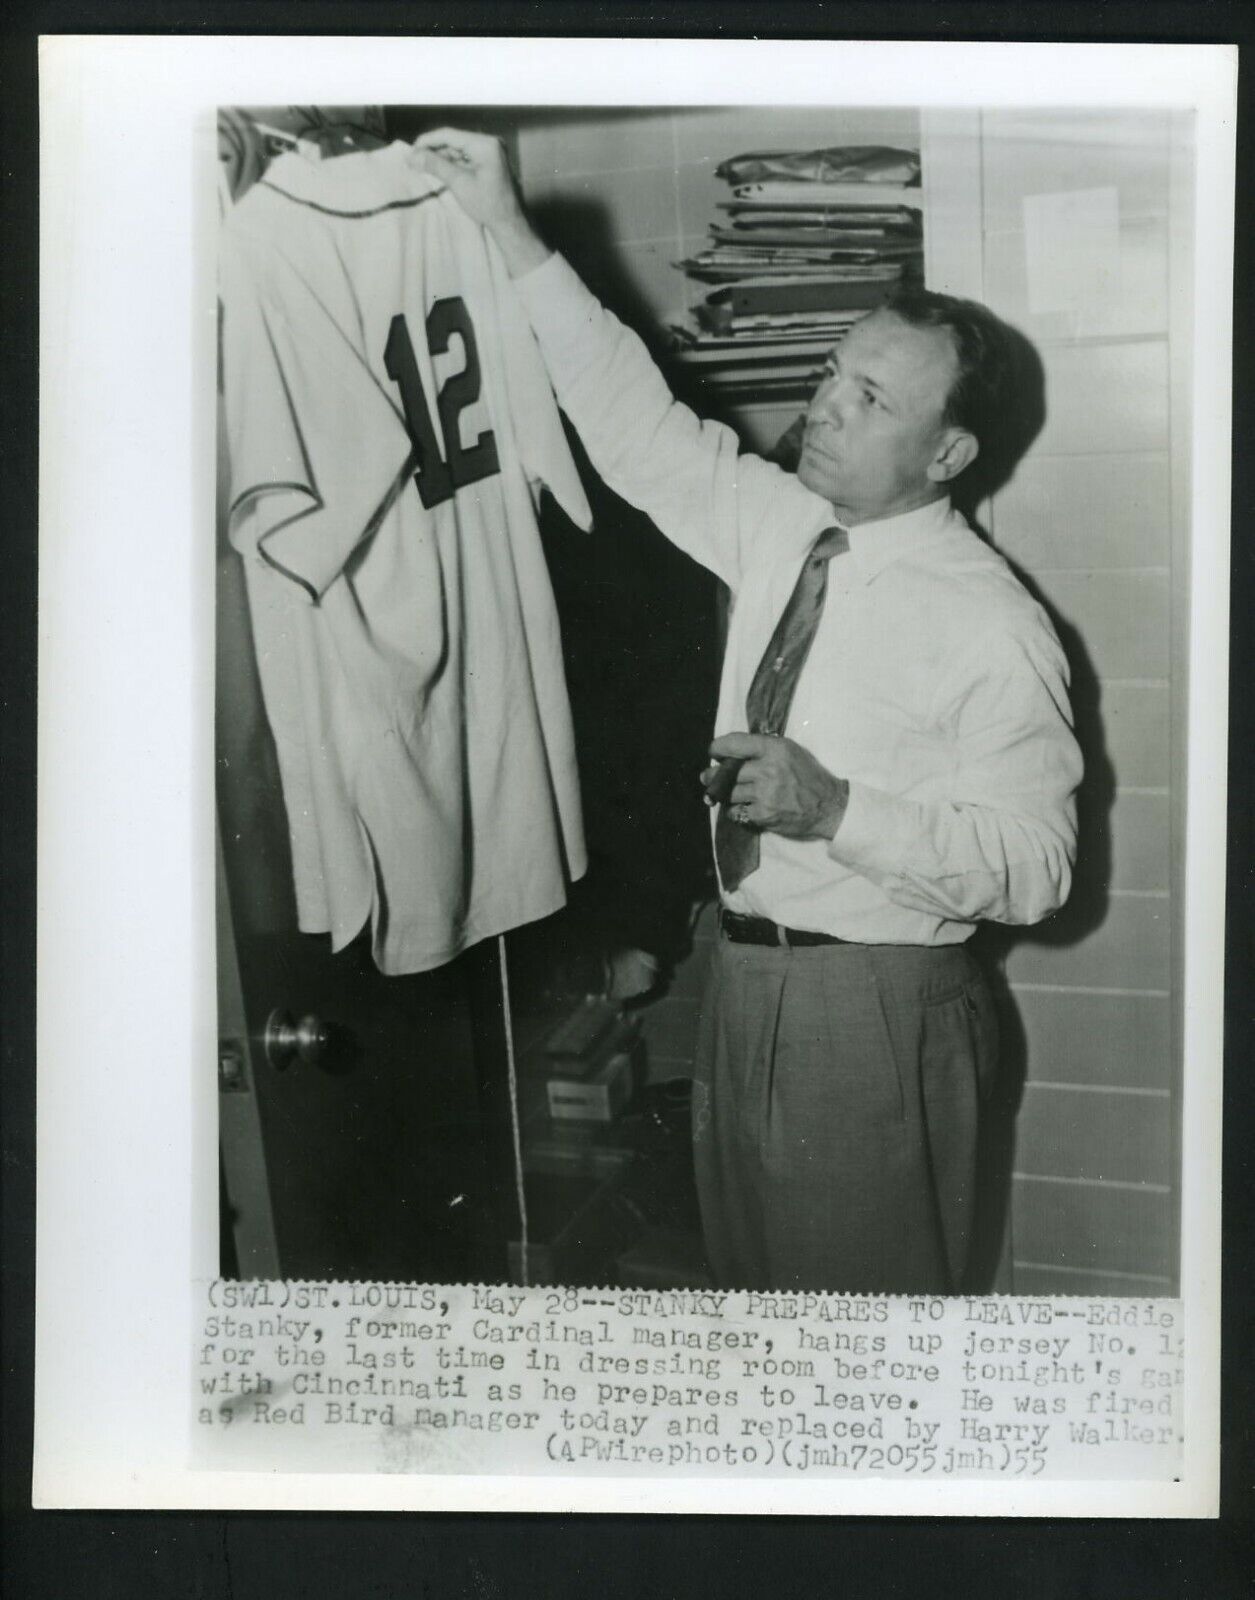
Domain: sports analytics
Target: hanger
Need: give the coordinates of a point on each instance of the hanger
(293, 141)
(323, 139)
(253, 142)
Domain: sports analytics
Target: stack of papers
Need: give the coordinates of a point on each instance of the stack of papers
(806, 245)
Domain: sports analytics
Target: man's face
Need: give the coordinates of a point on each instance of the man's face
(875, 426)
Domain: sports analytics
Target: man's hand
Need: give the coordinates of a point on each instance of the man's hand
(780, 787)
(476, 171)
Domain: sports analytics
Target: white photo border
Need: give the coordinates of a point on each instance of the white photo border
(126, 1135)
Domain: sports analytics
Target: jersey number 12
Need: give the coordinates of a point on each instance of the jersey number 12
(438, 476)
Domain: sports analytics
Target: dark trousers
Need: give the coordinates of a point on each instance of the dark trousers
(835, 1113)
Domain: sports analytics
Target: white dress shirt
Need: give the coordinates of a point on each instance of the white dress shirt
(935, 684)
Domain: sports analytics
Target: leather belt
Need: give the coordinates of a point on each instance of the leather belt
(758, 930)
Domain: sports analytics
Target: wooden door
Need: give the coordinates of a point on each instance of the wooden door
(368, 1153)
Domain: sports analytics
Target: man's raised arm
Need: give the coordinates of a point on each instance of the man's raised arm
(685, 473)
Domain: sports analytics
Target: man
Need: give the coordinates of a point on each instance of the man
(894, 763)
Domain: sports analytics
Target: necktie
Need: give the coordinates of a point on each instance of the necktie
(771, 690)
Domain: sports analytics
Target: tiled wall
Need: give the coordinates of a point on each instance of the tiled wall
(1089, 518)
(641, 184)
(1092, 1075)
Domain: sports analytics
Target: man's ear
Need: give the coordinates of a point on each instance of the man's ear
(957, 451)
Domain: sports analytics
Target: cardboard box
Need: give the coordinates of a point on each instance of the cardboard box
(597, 1098)
(583, 1038)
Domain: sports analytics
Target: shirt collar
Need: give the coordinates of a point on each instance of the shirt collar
(876, 545)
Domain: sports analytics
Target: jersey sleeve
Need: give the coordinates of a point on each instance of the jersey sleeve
(317, 451)
(533, 409)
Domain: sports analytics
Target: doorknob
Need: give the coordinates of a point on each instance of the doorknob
(307, 1041)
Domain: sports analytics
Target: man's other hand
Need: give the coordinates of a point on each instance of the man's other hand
(780, 787)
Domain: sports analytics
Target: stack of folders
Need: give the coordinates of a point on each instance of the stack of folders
(808, 242)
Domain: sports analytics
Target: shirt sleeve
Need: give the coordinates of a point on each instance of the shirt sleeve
(1001, 845)
(685, 473)
(316, 450)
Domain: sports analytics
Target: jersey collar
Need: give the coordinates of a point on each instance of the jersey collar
(353, 182)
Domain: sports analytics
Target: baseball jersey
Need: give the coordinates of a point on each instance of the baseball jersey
(389, 424)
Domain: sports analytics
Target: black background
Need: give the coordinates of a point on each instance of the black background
(203, 1556)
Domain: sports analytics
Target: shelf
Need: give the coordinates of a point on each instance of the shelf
(775, 369)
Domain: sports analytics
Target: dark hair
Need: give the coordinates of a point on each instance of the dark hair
(998, 396)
